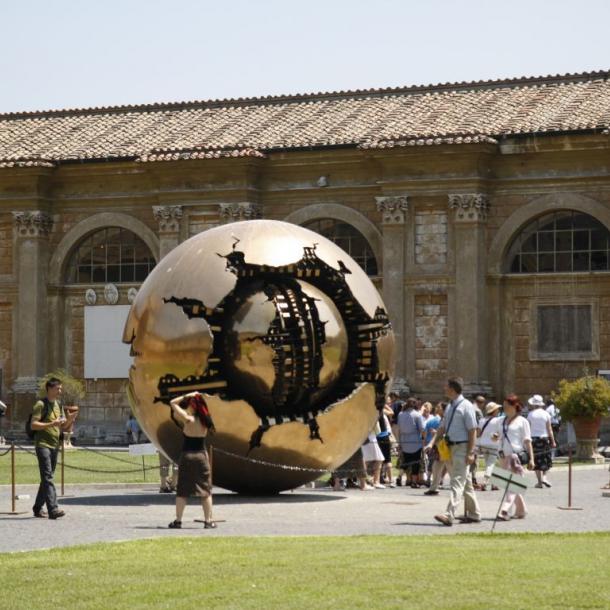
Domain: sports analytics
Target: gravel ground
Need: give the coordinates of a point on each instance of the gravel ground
(109, 513)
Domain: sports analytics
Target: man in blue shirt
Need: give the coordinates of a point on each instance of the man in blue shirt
(459, 428)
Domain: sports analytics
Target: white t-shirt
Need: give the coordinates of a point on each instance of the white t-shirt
(518, 432)
(485, 439)
(538, 419)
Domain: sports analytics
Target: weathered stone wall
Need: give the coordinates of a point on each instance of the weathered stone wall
(431, 342)
(430, 237)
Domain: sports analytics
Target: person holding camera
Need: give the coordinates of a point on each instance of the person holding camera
(516, 451)
(48, 422)
(195, 478)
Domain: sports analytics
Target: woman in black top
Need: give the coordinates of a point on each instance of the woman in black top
(194, 477)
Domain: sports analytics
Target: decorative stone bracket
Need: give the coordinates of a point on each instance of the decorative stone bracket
(393, 209)
(243, 210)
(469, 207)
(32, 224)
(168, 217)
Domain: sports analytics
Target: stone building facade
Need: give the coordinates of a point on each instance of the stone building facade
(482, 212)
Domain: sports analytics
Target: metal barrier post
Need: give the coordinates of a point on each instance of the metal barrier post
(13, 489)
(13, 510)
(569, 506)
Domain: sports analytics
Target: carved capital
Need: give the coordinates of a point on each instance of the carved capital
(393, 209)
(469, 207)
(32, 224)
(168, 217)
(243, 210)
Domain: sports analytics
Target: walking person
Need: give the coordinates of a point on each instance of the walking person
(553, 411)
(384, 440)
(436, 466)
(195, 477)
(48, 422)
(373, 458)
(515, 452)
(410, 428)
(459, 429)
(488, 443)
(543, 439)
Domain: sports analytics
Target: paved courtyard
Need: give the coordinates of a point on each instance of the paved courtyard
(102, 514)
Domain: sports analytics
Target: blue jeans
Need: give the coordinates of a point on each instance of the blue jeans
(47, 460)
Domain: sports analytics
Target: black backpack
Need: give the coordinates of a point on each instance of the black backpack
(46, 409)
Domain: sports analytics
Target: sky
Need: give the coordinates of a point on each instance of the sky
(86, 53)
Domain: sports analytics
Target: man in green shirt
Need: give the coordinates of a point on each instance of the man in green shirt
(48, 421)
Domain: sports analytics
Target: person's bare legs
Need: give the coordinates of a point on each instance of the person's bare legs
(206, 503)
(180, 505)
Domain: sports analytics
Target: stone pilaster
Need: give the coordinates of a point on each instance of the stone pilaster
(242, 210)
(469, 211)
(393, 220)
(31, 230)
(168, 217)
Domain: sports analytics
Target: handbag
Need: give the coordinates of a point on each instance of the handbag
(524, 456)
(444, 450)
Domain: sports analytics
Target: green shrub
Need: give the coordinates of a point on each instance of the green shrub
(587, 396)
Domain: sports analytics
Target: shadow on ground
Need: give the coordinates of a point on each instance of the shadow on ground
(146, 499)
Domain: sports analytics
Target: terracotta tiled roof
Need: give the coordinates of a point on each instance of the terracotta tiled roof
(441, 114)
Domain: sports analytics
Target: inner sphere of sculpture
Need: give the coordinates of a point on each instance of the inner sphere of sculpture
(284, 335)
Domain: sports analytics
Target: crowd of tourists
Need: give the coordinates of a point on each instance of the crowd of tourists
(459, 440)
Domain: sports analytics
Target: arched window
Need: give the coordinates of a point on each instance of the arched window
(561, 242)
(110, 255)
(349, 239)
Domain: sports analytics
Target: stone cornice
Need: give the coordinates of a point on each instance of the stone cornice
(168, 217)
(32, 224)
(469, 207)
(393, 209)
(243, 210)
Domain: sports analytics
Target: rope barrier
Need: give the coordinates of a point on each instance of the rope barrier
(244, 458)
(6, 452)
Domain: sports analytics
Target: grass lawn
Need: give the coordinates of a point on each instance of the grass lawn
(115, 467)
(469, 572)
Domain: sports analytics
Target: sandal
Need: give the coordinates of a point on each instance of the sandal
(209, 525)
(503, 516)
(175, 525)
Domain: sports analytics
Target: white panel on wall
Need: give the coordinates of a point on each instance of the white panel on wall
(106, 356)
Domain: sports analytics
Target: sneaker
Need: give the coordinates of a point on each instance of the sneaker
(546, 483)
(431, 492)
(40, 514)
(209, 525)
(175, 525)
(56, 514)
(379, 486)
(392, 486)
(398, 482)
(539, 485)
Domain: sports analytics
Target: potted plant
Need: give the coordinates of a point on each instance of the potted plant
(73, 391)
(584, 402)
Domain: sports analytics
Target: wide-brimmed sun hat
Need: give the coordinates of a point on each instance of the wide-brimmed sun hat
(536, 401)
(492, 407)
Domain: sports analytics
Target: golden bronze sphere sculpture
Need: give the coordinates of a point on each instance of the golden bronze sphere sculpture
(285, 336)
